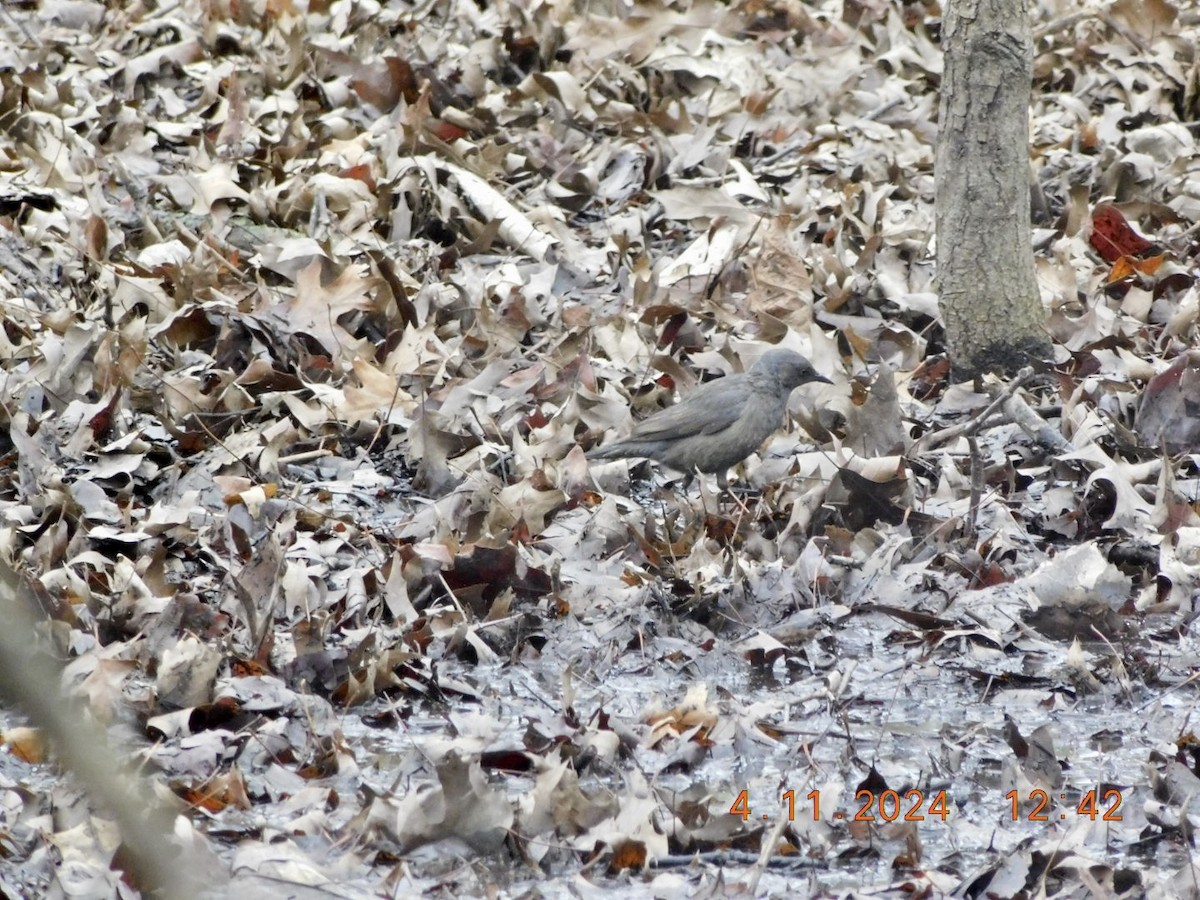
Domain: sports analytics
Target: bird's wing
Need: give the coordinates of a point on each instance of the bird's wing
(711, 408)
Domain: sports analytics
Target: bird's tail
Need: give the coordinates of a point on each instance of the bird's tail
(614, 450)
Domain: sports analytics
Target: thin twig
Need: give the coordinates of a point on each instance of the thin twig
(976, 483)
(770, 842)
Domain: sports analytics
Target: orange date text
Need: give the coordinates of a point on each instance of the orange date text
(886, 806)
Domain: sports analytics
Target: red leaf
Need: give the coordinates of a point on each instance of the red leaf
(1113, 237)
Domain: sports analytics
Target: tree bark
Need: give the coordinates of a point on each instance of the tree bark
(988, 288)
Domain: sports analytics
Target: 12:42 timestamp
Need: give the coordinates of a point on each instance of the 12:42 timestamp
(1090, 804)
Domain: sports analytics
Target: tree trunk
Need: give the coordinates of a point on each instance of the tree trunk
(989, 295)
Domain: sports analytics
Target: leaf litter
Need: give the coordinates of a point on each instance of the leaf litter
(311, 310)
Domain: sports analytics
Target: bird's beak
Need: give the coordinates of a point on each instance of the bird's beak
(820, 378)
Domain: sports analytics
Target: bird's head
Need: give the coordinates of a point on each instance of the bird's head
(787, 368)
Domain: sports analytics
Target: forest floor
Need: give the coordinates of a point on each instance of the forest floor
(311, 312)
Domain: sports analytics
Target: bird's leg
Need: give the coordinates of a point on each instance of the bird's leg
(704, 499)
(681, 488)
(723, 487)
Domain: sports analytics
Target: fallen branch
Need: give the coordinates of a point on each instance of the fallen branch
(1035, 426)
(981, 421)
(29, 680)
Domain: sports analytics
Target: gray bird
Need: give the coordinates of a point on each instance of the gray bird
(721, 422)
